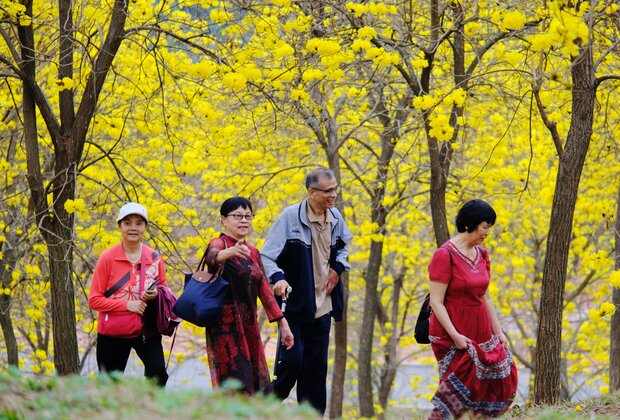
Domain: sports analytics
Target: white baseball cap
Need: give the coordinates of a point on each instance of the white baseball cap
(132, 208)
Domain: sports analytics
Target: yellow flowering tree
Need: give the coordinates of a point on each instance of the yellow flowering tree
(211, 99)
(571, 29)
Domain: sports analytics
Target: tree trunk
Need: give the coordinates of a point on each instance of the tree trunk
(571, 160)
(341, 328)
(390, 365)
(440, 154)
(340, 356)
(60, 246)
(365, 393)
(11, 253)
(614, 339)
(7, 330)
(378, 216)
(68, 138)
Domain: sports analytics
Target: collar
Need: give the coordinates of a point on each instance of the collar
(313, 217)
(302, 213)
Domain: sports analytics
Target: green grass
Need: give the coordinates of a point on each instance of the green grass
(127, 397)
(119, 396)
(606, 407)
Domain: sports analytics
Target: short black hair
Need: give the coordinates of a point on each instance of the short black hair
(472, 213)
(233, 203)
(313, 178)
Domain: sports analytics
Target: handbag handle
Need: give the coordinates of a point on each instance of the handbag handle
(203, 262)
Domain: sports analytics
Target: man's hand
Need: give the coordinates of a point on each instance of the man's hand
(136, 306)
(279, 289)
(332, 280)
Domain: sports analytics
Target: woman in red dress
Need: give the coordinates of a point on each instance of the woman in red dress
(477, 373)
(234, 346)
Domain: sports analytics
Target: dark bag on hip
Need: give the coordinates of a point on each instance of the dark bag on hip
(203, 296)
(422, 324)
(420, 332)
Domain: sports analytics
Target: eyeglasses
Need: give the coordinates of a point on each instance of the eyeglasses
(240, 217)
(335, 190)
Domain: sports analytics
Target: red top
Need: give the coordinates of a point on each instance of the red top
(113, 266)
(468, 281)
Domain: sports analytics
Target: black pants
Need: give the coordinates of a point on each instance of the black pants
(306, 363)
(113, 353)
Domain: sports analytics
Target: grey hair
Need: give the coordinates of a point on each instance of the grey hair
(314, 176)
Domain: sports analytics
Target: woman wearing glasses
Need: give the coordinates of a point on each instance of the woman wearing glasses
(234, 346)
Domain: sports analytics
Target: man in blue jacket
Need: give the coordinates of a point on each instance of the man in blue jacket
(306, 249)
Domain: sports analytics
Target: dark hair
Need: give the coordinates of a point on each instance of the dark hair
(313, 178)
(472, 213)
(233, 203)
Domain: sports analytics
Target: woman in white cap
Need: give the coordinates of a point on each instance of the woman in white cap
(124, 291)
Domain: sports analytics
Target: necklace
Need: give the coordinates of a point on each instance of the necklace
(133, 259)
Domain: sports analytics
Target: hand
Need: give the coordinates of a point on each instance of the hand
(461, 342)
(502, 339)
(279, 289)
(136, 306)
(332, 280)
(240, 250)
(149, 294)
(286, 336)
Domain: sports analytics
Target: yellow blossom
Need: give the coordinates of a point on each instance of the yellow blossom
(299, 94)
(311, 75)
(234, 81)
(361, 44)
(513, 21)
(220, 17)
(614, 278)
(441, 128)
(71, 206)
(322, 47)
(423, 102)
(284, 50)
(357, 9)
(367, 32)
(66, 83)
(606, 309)
(420, 63)
(458, 97)
(472, 28)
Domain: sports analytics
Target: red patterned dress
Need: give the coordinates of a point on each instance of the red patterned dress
(234, 346)
(483, 378)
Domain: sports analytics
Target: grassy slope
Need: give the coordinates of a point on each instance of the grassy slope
(130, 398)
(134, 398)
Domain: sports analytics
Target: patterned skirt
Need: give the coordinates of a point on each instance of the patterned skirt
(481, 380)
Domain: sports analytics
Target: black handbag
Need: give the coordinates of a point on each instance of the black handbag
(203, 296)
(420, 332)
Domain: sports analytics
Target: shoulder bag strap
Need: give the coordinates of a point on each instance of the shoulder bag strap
(116, 286)
(203, 261)
(125, 279)
(142, 268)
(449, 253)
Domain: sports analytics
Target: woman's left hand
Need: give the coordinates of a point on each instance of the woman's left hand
(149, 295)
(286, 335)
(503, 339)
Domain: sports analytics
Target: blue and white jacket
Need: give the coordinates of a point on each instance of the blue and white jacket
(287, 254)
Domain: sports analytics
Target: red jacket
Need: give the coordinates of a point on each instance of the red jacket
(114, 318)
